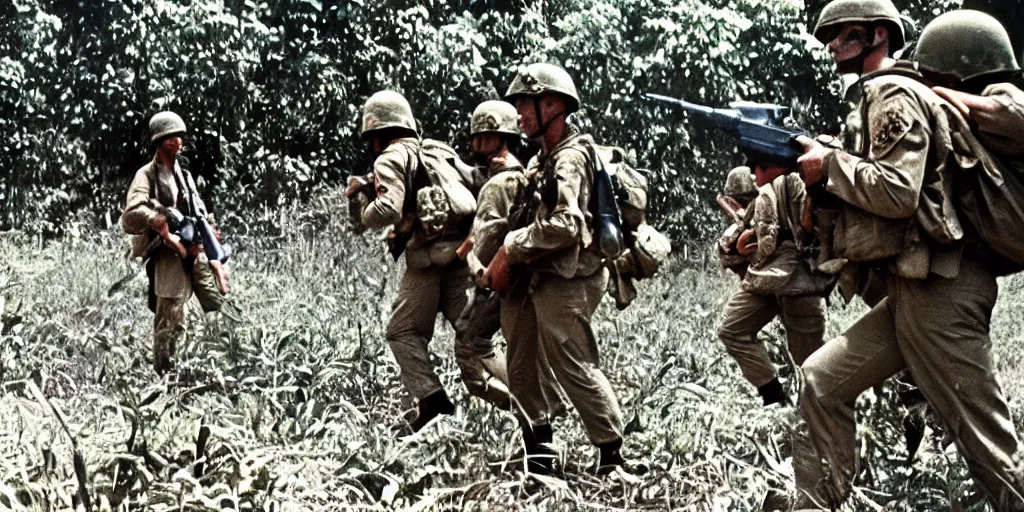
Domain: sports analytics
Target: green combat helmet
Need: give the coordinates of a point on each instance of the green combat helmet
(165, 123)
(965, 44)
(739, 184)
(842, 12)
(537, 79)
(494, 117)
(387, 109)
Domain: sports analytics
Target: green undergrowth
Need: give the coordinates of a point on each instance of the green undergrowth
(290, 399)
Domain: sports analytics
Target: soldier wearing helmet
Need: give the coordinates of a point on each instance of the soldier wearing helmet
(175, 273)
(896, 210)
(435, 279)
(766, 238)
(860, 34)
(968, 58)
(562, 274)
(494, 127)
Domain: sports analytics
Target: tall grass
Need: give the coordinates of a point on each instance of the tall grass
(290, 399)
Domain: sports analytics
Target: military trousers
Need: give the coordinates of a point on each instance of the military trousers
(422, 294)
(938, 329)
(559, 311)
(746, 313)
(481, 363)
(169, 309)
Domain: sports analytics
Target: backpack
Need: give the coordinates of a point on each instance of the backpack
(991, 199)
(989, 192)
(447, 200)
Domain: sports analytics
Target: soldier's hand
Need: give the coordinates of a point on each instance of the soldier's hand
(811, 167)
(746, 244)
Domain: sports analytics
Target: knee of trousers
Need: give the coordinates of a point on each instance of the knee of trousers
(814, 381)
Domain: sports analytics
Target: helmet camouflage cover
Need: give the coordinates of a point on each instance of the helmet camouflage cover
(965, 44)
(387, 109)
(740, 183)
(165, 123)
(540, 78)
(494, 117)
(842, 12)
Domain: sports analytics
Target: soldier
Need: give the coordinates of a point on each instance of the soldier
(740, 191)
(494, 128)
(174, 271)
(968, 57)
(897, 208)
(435, 279)
(778, 283)
(563, 277)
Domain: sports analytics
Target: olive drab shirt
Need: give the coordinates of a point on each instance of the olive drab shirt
(781, 266)
(896, 188)
(389, 172)
(777, 211)
(506, 180)
(1002, 131)
(558, 241)
(155, 185)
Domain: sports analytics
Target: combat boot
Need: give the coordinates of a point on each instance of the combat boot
(540, 457)
(430, 407)
(772, 393)
(610, 457)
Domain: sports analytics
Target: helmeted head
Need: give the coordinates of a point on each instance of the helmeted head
(540, 78)
(494, 117)
(965, 45)
(739, 184)
(164, 124)
(387, 110)
(868, 12)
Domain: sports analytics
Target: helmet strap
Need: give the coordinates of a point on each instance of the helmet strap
(544, 125)
(856, 64)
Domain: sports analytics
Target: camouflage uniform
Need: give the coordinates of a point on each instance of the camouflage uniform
(173, 279)
(897, 208)
(776, 215)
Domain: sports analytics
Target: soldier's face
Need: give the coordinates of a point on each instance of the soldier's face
(765, 174)
(171, 146)
(527, 115)
(377, 145)
(486, 143)
(550, 106)
(849, 42)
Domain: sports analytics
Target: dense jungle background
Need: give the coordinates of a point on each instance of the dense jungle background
(287, 400)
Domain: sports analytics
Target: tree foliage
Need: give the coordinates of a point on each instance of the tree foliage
(272, 89)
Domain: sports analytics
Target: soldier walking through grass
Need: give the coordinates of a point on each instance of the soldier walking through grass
(400, 192)
(561, 275)
(779, 282)
(175, 272)
(897, 207)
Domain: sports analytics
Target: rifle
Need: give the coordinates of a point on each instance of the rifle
(758, 126)
(731, 208)
(189, 232)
